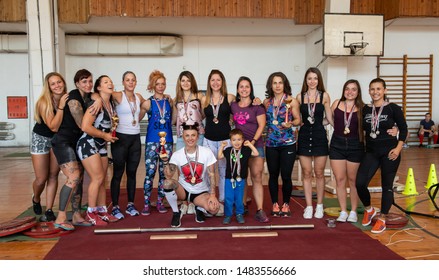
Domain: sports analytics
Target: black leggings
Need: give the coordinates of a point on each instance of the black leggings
(280, 159)
(368, 167)
(126, 152)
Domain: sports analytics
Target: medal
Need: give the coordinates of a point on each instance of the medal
(185, 106)
(215, 109)
(373, 135)
(133, 108)
(375, 120)
(235, 164)
(347, 120)
(311, 108)
(232, 180)
(185, 118)
(162, 110)
(276, 109)
(238, 179)
(377, 132)
(193, 169)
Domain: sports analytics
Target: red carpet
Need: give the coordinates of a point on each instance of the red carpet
(345, 242)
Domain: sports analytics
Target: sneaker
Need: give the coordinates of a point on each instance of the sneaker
(379, 226)
(117, 213)
(107, 217)
(176, 219)
(307, 213)
(285, 212)
(220, 212)
(275, 210)
(240, 219)
(227, 220)
(319, 211)
(353, 218)
(146, 210)
(199, 216)
(205, 212)
(94, 219)
(261, 216)
(342, 217)
(131, 210)
(367, 218)
(183, 208)
(36, 207)
(161, 208)
(48, 216)
(191, 209)
(245, 209)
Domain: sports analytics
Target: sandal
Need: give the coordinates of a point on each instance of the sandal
(65, 226)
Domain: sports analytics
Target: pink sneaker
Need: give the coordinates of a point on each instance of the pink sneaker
(94, 219)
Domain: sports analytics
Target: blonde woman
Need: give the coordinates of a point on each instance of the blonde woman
(48, 116)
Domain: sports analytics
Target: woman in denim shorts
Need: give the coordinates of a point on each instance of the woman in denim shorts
(48, 117)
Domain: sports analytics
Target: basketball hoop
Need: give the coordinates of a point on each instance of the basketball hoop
(358, 48)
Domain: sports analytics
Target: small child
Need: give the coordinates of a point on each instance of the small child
(237, 157)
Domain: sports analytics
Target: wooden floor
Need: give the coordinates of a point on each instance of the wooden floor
(16, 175)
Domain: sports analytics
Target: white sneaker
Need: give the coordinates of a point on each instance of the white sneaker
(307, 213)
(353, 218)
(342, 217)
(183, 208)
(319, 211)
(191, 209)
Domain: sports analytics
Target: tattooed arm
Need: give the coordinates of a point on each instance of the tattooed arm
(76, 111)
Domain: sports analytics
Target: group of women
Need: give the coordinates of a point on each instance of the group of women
(82, 135)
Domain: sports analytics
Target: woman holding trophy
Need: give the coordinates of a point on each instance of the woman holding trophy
(158, 141)
(282, 113)
(92, 151)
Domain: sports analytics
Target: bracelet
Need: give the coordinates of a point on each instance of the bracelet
(255, 140)
(60, 109)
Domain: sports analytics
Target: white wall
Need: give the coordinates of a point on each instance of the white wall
(255, 57)
(14, 81)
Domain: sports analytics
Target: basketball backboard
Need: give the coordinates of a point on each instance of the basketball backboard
(345, 34)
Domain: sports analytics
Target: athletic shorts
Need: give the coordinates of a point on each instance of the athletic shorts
(65, 153)
(40, 145)
(191, 196)
(350, 149)
(87, 146)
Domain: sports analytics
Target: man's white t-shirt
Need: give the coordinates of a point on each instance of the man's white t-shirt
(205, 159)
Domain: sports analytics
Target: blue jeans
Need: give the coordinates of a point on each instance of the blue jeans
(234, 196)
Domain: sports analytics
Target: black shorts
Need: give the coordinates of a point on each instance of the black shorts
(342, 148)
(191, 196)
(65, 153)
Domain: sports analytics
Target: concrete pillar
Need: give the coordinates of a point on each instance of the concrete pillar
(40, 29)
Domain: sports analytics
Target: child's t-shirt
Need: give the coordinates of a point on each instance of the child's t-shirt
(245, 156)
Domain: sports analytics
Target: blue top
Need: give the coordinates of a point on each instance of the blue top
(154, 124)
(277, 135)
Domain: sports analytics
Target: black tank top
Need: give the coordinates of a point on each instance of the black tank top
(43, 130)
(339, 124)
(221, 130)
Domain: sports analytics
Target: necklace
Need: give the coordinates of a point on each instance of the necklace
(162, 110)
(133, 107)
(192, 168)
(276, 109)
(311, 108)
(114, 119)
(215, 109)
(347, 120)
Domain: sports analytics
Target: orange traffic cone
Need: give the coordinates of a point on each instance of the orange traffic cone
(432, 179)
(410, 185)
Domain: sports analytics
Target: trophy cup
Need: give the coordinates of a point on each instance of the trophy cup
(114, 123)
(287, 101)
(163, 154)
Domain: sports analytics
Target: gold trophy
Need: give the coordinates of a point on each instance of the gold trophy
(163, 154)
(114, 123)
(287, 101)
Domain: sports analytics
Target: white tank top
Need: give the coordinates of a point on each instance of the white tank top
(128, 124)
